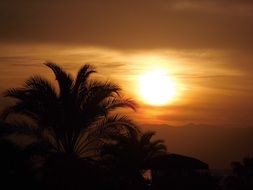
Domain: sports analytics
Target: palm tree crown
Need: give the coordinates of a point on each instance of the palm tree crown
(81, 109)
(133, 151)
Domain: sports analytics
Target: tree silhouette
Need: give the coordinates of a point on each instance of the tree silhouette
(244, 169)
(129, 155)
(242, 177)
(74, 118)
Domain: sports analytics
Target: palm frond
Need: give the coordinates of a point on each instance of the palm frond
(111, 125)
(20, 127)
(97, 91)
(40, 85)
(82, 77)
(19, 108)
(17, 93)
(91, 108)
(64, 80)
(117, 124)
(146, 137)
(37, 99)
(113, 103)
(157, 145)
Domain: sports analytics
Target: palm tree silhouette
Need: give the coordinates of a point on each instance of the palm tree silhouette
(74, 119)
(131, 154)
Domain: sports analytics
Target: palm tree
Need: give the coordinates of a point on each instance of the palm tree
(129, 155)
(75, 117)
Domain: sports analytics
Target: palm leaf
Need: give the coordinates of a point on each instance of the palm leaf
(82, 77)
(97, 91)
(117, 124)
(19, 108)
(20, 127)
(114, 103)
(146, 137)
(65, 81)
(17, 93)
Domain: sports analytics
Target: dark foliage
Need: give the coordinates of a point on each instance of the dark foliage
(15, 170)
(80, 142)
(128, 156)
(74, 118)
(242, 178)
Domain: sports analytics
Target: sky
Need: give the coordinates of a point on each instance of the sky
(205, 46)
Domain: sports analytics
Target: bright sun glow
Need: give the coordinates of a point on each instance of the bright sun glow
(157, 88)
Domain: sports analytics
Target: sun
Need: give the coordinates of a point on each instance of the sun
(157, 88)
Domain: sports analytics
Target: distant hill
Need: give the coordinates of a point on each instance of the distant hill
(217, 146)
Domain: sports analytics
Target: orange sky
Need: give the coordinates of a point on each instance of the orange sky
(210, 89)
(206, 46)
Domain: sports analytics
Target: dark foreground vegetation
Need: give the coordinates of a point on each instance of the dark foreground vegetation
(72, 138)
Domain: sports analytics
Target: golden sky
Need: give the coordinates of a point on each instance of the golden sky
(205, 46)
(211, 89)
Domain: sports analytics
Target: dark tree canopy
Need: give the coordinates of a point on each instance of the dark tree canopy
(74, 118)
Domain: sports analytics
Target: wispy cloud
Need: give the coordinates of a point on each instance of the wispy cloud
(209, 83)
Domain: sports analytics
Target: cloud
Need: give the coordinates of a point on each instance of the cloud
(130, 24)
(213, 86)
(221, 7)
